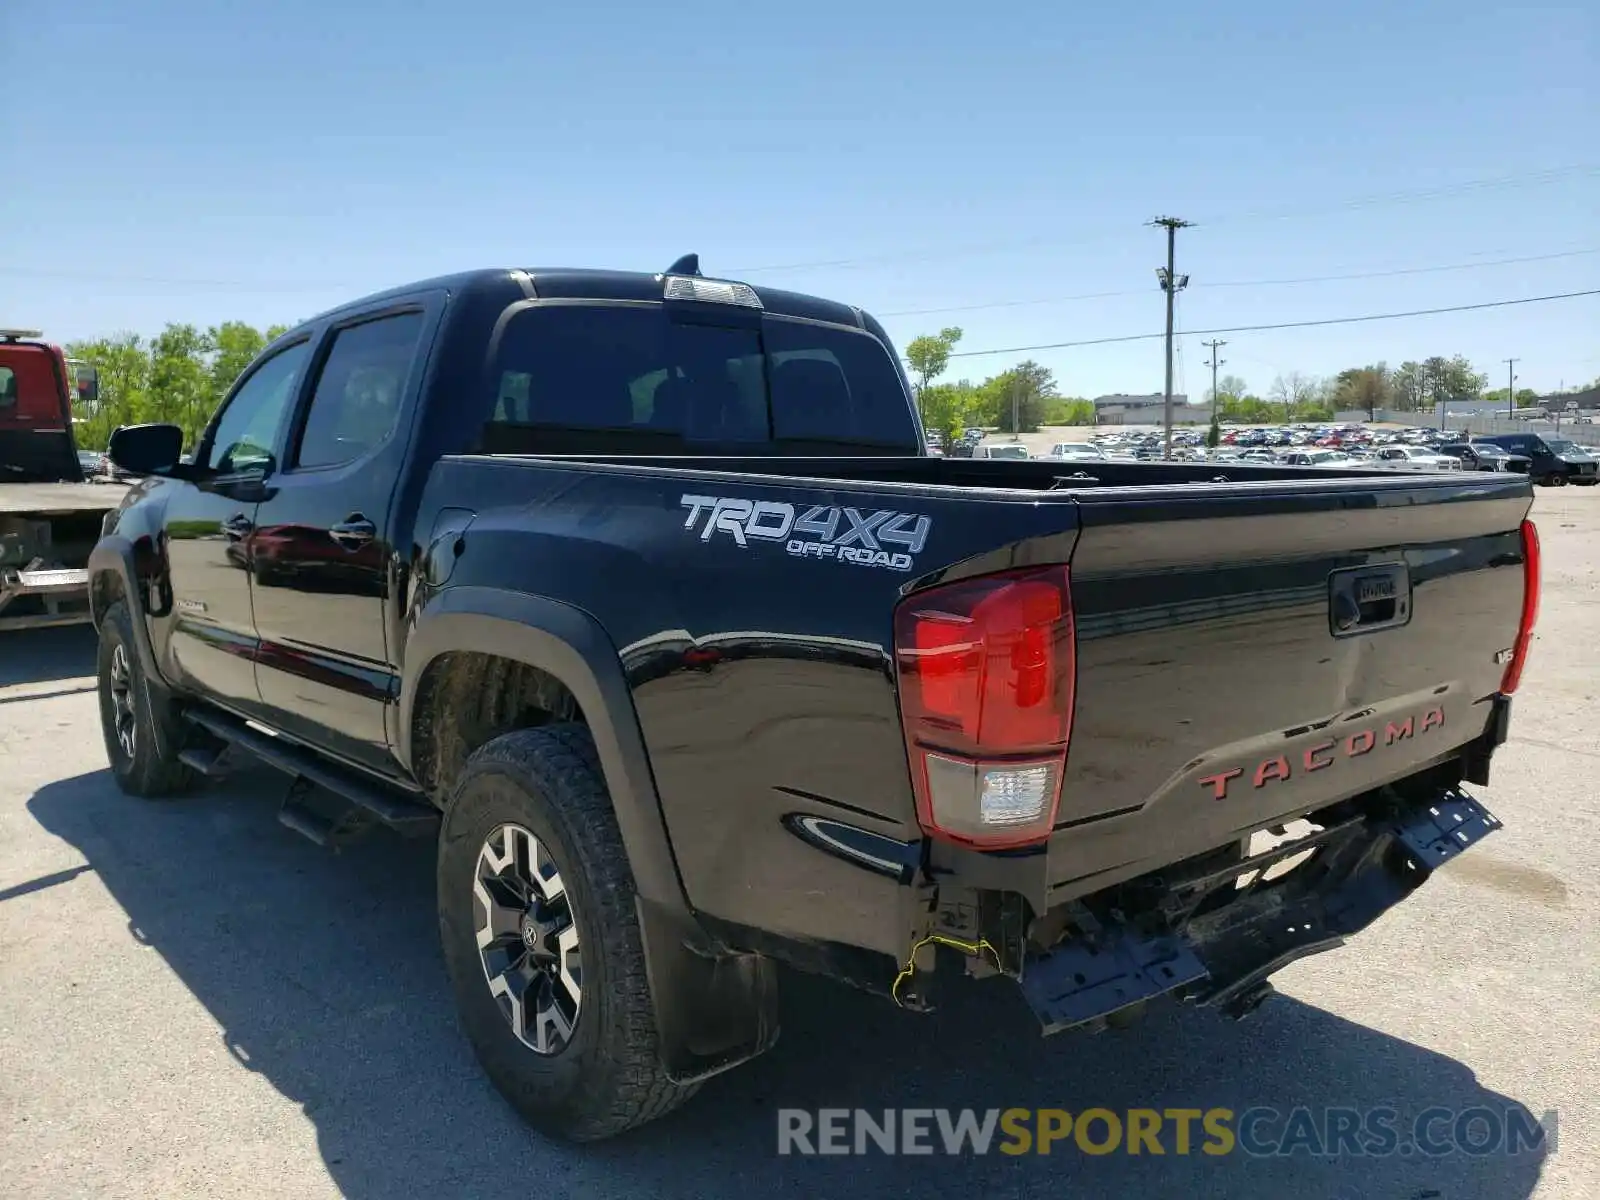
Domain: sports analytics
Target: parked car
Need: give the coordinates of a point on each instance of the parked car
(1076, 451)
(1319, 458)
(1485, 456)
(1010, 451)
(1414, 458)
(1553, 461)
(639, 593)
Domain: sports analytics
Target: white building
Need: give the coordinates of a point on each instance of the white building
(1123, 409)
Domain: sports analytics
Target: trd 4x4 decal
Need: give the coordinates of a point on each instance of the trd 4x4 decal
(880, 538)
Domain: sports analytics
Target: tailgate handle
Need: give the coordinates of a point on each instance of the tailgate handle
(1366, 599)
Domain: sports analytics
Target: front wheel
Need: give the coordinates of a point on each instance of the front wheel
(130, 716)
(542, 942)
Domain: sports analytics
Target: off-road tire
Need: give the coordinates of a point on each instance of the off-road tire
(608, 1078)
(145, 772)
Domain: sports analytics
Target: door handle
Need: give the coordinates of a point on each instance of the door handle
(238, 526)
(354, 532)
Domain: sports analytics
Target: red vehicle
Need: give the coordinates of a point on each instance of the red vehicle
(50, 516)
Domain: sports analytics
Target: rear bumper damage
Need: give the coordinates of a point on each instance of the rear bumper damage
(1212, 933)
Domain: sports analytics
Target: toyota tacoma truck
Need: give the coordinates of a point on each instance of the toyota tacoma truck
(641, 595)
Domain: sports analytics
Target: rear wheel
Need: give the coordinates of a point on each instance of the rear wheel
(542, 942)
(130, 716)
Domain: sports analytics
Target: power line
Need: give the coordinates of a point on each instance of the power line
(1492, 183)
(1394, 316)
(1523, 179)
(1462, 266)
(1241, 283)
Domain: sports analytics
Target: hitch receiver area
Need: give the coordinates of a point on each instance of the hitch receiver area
(1240, 927)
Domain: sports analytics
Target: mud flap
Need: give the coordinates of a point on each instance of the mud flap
(1223, 957)
(713, 1011)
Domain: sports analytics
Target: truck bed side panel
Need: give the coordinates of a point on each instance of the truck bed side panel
(762, 678)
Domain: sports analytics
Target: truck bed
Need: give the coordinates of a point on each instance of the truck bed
(51, 498)
(1210, 683)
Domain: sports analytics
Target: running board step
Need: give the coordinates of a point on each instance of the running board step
(308, 824)
(410, 817)
(206, 762)
(299, 813)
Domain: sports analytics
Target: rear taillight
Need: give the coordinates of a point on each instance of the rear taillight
(987, 669)
(1530, 609)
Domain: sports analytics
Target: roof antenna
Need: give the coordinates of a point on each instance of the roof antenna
(689, 264)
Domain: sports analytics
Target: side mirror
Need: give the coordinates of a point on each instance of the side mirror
(146, 449)
(86, 379)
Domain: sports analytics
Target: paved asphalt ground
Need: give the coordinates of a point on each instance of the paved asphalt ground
(195, 1002)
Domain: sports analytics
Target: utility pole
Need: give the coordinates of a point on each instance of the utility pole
(1216, 362)
(1171, 283)
(1511, 386)
(1016, 427)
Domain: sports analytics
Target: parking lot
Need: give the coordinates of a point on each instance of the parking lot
(195, 1002)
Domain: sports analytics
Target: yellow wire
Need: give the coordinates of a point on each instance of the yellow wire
(910, 969)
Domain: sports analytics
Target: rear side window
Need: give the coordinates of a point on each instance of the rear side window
(630, 379)
(835, 385)
(358, 394)
(8, 388)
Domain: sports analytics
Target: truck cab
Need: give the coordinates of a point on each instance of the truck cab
(38, 384)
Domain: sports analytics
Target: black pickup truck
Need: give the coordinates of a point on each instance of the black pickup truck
(641, 593)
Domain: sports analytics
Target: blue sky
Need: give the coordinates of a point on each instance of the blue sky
(193, 161)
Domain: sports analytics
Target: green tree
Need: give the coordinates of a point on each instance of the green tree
(1067, 410)
(1410, 387)
(179, 376)
(1369, 387)
(1292, 390)
(1464, 382)
(123, 363)
(181, 389)
(1023, 391)
(948, 408)
(234, 346)
(1214, 434)
(1229, 387)
(1249, 410)
(929, 355)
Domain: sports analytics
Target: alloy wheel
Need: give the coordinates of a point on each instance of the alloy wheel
(527, 931)
(124, 718)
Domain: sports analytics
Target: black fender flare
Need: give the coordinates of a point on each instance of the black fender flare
(715, 1007)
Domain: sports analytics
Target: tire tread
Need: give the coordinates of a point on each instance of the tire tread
(559, 763)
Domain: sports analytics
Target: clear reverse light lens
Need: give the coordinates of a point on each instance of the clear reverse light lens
(1014, 795)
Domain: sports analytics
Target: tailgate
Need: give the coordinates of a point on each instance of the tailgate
(1248, 653)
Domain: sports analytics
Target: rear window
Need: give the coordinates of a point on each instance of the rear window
(630, 379)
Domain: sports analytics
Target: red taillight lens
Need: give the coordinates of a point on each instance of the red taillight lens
(987, 669)
(1530, 609)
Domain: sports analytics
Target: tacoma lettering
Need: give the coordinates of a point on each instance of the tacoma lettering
(1323, 755)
